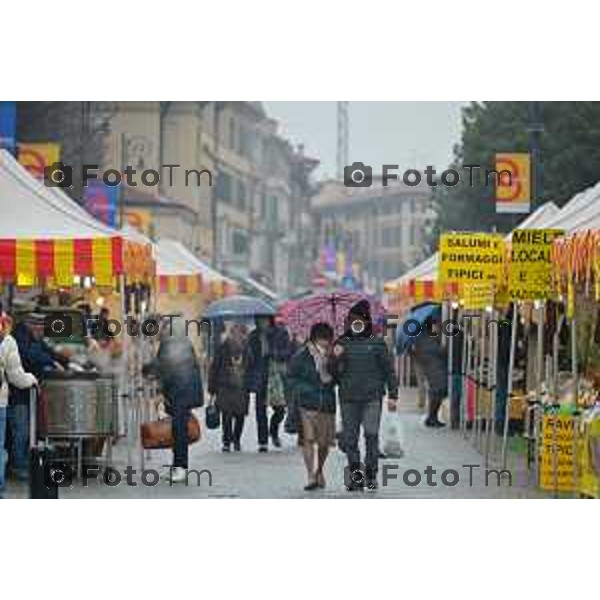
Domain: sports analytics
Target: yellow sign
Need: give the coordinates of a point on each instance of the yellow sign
(36, 157)
(556, 453)
(513, 184)
(478, 296)
(471, 258)
(530, 273)
(140, 220)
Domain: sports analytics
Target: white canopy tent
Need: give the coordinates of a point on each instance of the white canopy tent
(580, 213)
(30, 210)
(173, 258)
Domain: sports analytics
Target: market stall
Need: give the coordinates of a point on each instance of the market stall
(49, 244)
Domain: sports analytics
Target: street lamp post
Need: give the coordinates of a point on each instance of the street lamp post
(535, 130)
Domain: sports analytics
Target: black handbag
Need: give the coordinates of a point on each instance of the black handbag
(213, 417)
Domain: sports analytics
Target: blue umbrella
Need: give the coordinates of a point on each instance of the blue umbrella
(238, 307)
(412, 325)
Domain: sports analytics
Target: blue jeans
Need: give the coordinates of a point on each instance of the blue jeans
(18, 428)
(2, 451)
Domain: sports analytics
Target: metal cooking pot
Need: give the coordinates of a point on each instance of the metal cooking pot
(79, 406)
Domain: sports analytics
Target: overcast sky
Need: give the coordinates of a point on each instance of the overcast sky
(411, 134)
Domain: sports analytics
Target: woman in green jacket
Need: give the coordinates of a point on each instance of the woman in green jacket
(312, 384)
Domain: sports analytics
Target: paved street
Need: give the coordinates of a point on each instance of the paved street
(280, 473)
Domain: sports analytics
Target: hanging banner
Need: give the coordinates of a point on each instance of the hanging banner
(8, 125)
(513, 187)
(530, 272)
(101, 201)
(471, 258)
(140, 220)
(36, 157)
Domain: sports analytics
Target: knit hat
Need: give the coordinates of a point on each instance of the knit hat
(361, 309)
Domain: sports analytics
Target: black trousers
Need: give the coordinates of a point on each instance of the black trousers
(368, 416)
(180, 416)
(265, 427)
(233, 426)
(435, 403)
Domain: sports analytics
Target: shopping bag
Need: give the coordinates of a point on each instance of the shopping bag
(213, 417)
(392, 435)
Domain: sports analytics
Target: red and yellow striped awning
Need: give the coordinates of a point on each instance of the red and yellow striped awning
(415, 291)
(195, 284)
(29, 262)
(180, 284)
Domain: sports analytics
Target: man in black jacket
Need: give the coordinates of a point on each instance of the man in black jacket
(364, 371)
(267, 342)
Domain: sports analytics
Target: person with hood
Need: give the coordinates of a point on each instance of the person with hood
(314, 389)
(11, 372)
(177, 368)
(226, 385)
(267, 352)
(364, 370)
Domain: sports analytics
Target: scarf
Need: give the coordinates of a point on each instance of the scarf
(321, 360)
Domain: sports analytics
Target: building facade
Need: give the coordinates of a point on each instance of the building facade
(231, 189)
(383, 228)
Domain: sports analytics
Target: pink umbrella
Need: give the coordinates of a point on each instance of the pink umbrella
(331, 307)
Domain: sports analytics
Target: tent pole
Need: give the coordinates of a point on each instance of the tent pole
(492, 382)
(464, 373)
(450, 342)
(538, 388)
(509, 388)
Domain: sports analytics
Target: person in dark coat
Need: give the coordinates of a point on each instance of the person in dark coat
(267, 351)
(226, 385)
(365, 373)
(40, 359)
(176, 365)
(313, 387)
(433, 362)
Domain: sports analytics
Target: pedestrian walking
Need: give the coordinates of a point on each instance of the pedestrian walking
(177, 368)
(432, 361)
(11, 371)
(313, 385)
(226, 385)
(267, 352)
(364, 370)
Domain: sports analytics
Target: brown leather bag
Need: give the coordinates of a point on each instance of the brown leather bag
(159, 434)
